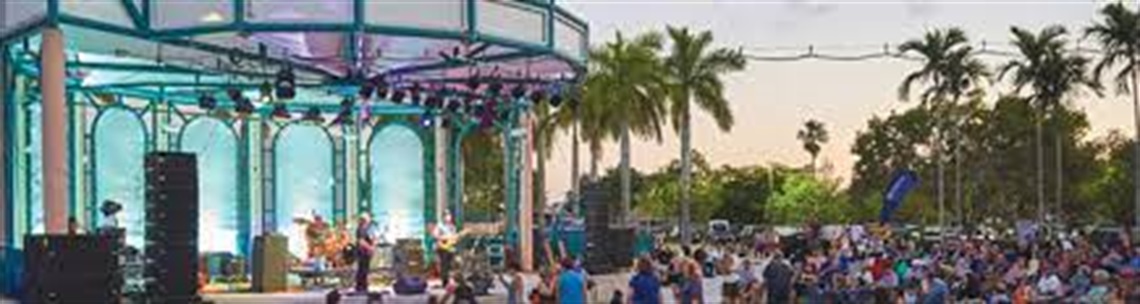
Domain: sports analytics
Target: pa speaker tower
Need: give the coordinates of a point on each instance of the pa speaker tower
(171, 227)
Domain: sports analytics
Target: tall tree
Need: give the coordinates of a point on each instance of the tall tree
(950, 70)
(549, 120)
(1053, 73)
(693, 71)
(1118, 34)
(813, 136)
(626, 92)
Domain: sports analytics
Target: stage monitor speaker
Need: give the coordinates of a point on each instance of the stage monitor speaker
(171, 227)
(270, 263)
(72, 269)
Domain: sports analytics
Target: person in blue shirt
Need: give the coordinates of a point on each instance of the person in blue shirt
(646, 286)
(571, 285)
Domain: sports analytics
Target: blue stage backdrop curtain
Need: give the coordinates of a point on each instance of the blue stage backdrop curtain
(398, 182)
(120, 145)
(216, 148)
(304, 183)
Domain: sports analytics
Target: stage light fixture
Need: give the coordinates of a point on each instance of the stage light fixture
(518, 92)
(280, 111)
(453, 105)
(382, 88)
(427, 120)
(537, 96)
(366, 90)
(313, 115)
(243, 105)
(416, 93)
(555, 100)
(234, 94)
(286, 84)
(495, 88)
(434, 102)
(207, 101)
(266, 91)
(398, 96)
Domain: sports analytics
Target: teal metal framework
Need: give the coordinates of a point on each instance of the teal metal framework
(152, 63)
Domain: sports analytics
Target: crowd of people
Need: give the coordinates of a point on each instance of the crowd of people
(856, 266)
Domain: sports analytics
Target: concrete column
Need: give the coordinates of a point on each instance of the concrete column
(526, 206)
(55, 167)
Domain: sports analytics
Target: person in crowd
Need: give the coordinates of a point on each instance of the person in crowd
(778, 279)
(691, 289)
(514, 284)
(571, 284)
(645, 285)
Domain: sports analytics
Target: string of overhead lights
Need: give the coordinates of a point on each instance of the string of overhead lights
(884, 51)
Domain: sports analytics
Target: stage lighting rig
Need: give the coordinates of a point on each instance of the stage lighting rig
(285, 84)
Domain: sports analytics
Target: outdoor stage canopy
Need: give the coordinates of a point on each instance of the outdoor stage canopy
(332, 107)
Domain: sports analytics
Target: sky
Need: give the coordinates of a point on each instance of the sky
(771, 100)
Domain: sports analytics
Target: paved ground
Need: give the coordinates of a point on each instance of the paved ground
(606, 284)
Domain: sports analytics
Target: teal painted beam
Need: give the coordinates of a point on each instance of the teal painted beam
(137, 17)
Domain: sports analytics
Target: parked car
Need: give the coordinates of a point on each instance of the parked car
(720, 231)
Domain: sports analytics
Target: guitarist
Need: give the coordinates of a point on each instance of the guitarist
(364, 246)
(446, 238)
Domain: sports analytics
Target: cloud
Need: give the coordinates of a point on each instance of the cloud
(810, 8)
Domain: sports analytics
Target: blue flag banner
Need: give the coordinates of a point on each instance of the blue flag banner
(901, 184)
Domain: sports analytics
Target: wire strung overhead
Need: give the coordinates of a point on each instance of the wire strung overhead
(885, 51)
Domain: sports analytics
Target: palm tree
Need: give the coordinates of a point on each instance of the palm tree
(1119, 37)
(949, 70)
(693, 71)
(548, 122)
(813, 136)
(624, 95)
(1052, 73)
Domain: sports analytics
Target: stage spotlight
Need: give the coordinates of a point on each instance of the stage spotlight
(244, 106)
(280, 111)
(555, 100)
(266, 91)
(518, 92)
(537, 96)
(494, 89)
(434, 102)
(234, 94)
(366, 90)
(286, 84)
(398, 96)
(427, 120)
(381, 86)
(453, 105)
(416, 93)
(207, 101)
(346, 103)
(313, 115)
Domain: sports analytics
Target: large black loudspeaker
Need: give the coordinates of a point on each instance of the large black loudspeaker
(609, 245)
(72, 269)
(171, 227)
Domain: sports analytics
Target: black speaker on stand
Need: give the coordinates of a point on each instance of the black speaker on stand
(171, 227)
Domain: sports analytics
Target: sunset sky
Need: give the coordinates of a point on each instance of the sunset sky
(771, 100)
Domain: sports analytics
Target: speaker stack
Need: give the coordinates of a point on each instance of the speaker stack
(608, 246)
(72, 269)
(171, 227)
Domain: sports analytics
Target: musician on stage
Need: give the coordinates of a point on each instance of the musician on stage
(446, 238)
(364, 246)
